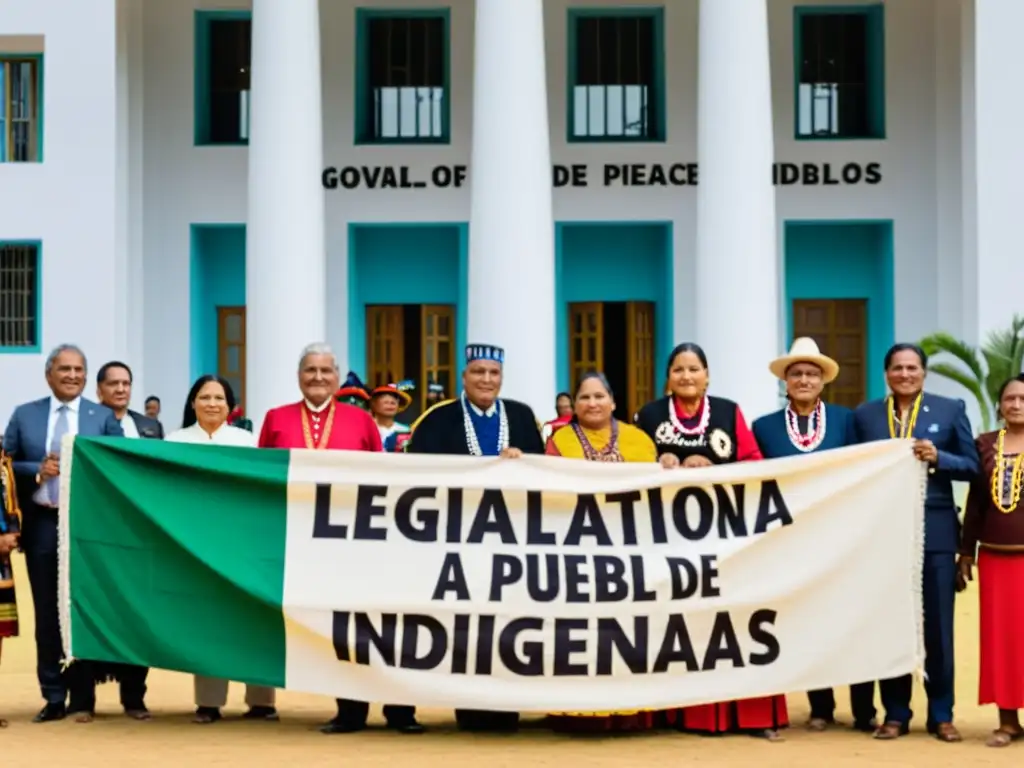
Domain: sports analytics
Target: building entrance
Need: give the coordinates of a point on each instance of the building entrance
(617, 338)
(839, 327)
(411, 341)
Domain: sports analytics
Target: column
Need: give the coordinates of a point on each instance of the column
(511, 231)
(737, 266)
(994, 198)
(285, 258)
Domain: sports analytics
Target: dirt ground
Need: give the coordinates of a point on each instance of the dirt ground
(170, 739)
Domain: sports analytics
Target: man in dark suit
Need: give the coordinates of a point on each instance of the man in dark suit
(114, 390)
(33, 440)
(942, 437)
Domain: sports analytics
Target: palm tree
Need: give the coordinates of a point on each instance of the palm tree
(980, 371)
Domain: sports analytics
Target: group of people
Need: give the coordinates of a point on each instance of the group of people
(686, 428)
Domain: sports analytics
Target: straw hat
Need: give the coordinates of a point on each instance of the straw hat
(805, 350)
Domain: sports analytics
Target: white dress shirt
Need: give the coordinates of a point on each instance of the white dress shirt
(225, 434)
(128, 426)
(73, 408)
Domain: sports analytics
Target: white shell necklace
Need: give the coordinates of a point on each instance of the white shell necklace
(815, 428)
(702, 425)
(471, 439)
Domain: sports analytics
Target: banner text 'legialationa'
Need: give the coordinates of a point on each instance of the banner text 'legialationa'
(693, 513)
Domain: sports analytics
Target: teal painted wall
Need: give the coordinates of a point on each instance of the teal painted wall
(216, 279)
(612, 261)
(405, 264)
(845, 260)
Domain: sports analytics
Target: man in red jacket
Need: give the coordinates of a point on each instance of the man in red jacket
(319, 422)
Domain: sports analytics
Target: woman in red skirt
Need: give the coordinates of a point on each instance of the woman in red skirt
(994, 526)
(693, 429)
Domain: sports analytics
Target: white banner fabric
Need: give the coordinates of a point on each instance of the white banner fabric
(548, 585)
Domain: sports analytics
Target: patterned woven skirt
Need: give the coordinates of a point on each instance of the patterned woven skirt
(8, 603)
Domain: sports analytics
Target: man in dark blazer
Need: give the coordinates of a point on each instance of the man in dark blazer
(114, 390)
(33, 439)
(942, 437)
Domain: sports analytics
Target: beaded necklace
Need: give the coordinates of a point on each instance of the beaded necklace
(999, 476)
(906, 429)
(307, 433)
(815, 428)
(472, 442)
(609, 453)
(702, 425)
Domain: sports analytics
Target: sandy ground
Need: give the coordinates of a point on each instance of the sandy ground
(170, 739)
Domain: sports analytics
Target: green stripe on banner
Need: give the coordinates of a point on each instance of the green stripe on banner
(176, 556)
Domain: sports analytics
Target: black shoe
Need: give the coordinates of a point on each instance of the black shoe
(206, 715)
(261, 713)
(865, 726)
(50, 713)
(342, 725)
(407, 727)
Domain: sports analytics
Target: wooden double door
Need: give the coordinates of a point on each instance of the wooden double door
(231, 349)
(411, 341)
(840, 329)
(617, 339)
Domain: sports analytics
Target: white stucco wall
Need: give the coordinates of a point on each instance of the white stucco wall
(137, 234)
(68, 201)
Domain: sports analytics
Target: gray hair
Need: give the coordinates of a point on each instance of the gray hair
(317, 348)
(52, 357)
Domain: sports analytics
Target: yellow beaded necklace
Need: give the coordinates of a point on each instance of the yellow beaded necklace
(906, 428)
(999, 473)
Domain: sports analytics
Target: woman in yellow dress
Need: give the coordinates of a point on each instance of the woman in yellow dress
(595, 435)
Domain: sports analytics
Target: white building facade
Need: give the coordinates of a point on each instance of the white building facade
(205, 187)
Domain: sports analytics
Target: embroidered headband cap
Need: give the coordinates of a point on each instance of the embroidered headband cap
(485, 352)
(805, 350)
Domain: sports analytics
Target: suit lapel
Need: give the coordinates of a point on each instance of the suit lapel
(41, 418)
(925, 418)
(881, 418)
(87, 415)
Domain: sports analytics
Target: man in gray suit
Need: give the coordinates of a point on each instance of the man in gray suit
(33, 439)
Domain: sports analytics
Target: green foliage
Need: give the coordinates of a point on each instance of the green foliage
(980, 371)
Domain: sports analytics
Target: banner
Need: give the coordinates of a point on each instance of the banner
(533, 584)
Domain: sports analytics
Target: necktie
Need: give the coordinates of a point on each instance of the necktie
(51, 488)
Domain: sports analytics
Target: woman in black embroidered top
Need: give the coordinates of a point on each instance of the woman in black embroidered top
(692, 429)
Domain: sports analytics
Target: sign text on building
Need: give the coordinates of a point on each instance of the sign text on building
(606, 175)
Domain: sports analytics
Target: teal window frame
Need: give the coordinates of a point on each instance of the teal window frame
(875, 13)
(30, 349)
(657, 13)
(363, 127)
(201, 68)
(40, 133)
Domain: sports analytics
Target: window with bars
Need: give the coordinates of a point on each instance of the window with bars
(616, 75)
(402, 92)
(840, 72)
(19, 297)
(20, 108)
(223, 56)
